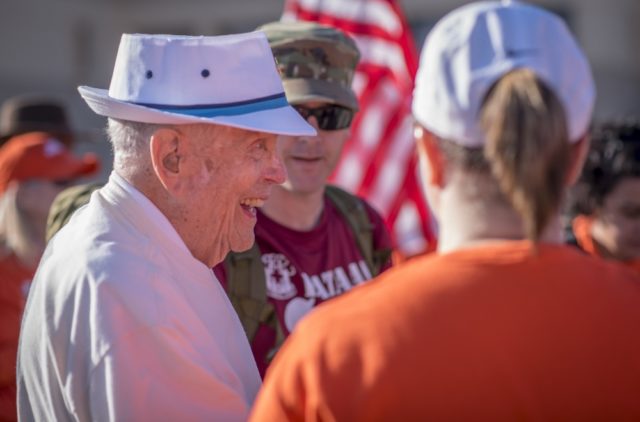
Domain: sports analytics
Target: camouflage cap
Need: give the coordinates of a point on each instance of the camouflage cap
(316, 62)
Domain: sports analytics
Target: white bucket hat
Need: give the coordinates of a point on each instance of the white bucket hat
(228, 80)
(475, 45)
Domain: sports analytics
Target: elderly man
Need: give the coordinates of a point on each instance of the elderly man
(125, 320)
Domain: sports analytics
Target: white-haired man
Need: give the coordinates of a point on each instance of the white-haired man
(125, 320)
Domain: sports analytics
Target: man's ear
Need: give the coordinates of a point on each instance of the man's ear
(167, 154)
(578, 155)
(429, 151)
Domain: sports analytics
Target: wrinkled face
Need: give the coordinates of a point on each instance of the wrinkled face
(310, 160)
(617, 224)
(232, 172)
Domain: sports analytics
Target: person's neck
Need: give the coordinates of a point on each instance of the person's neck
(465, 223)
(295, 210)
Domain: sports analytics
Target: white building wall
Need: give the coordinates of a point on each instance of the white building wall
(51, 46)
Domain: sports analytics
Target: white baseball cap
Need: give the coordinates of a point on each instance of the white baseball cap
(474, 46)
(229, 80)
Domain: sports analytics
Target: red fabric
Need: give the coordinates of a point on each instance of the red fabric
(305, 269)
(490, 333)
(37, 155)
(15, 278)
(379, 162)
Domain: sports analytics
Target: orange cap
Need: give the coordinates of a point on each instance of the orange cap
(37, 155)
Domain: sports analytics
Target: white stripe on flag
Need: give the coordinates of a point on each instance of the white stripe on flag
(383, 53)
(390, 175)
(371, 12)
(365, 140)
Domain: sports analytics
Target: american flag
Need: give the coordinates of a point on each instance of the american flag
(379, 161)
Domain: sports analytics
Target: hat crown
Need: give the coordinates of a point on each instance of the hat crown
(193, 70)
(311, 50)
(319, 54)
(32, 114)
(475, 45)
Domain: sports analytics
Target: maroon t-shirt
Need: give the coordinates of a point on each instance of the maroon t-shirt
(306, 268)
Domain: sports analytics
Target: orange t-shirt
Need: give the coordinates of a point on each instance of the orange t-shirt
(14, 278)
(581, 226)
(487, 333)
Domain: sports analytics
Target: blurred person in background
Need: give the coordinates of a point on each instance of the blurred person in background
(607, 196)
(505, 322)
(35, 164)
(314, 241)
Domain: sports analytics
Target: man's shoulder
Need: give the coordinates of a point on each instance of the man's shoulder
(94, 261)
(94, 241)
(93, 249)
(101, 280)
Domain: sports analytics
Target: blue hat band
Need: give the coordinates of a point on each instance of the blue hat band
(227, 109)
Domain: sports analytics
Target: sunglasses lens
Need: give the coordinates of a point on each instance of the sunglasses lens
(331, 117)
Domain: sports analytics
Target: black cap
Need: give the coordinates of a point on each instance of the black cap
(25, 114)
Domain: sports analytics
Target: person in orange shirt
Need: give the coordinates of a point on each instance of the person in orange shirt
(607, 197)
(35, 165)
(504, 321)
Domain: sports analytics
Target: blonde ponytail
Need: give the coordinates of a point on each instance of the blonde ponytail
(527, 147)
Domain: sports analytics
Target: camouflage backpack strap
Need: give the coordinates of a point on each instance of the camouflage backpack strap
(353, 209)
(247, 290)
(65, 204)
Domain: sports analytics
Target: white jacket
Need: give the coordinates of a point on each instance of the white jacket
(123, 323)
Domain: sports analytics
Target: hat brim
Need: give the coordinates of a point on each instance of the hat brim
(76, 168)
(280, 121)
(72, 135)
(306, 90)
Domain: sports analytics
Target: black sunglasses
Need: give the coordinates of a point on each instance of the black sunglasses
(329, 117)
